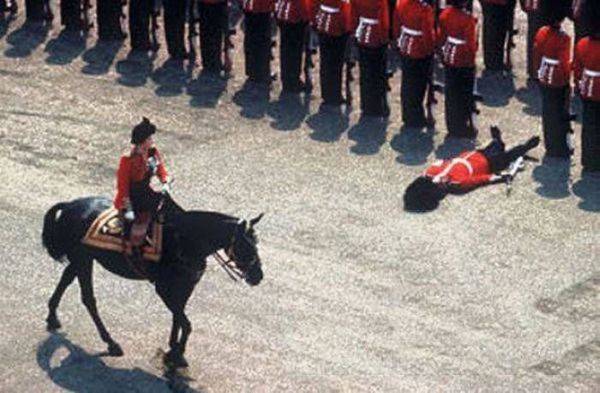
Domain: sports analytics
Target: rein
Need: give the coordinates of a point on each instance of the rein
(229, 266)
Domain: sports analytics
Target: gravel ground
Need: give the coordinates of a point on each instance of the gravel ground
(487, 293)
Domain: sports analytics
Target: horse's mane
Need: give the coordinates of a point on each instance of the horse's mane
(207, 224)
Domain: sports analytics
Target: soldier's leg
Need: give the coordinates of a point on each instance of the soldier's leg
(264, 47)
(534, 23)
(71, 14)
(331, 65)
(290, 55)
(212, 25)
(373, 92)
(34, 11)
(139, 23)
(415, 77)
(250, 24)
(555, 123)
(590, 136)
(494, 35)
(458, 101)
(174, 25)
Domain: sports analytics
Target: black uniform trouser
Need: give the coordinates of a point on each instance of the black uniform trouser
(257, 46)
(459, 103)
(415, 79)
(373, 91)
(292, 45)
(555, 120)
(590, 136)
(139, 23)
(71, 14)
(108, 13)
(332, 51)
(174, 24)
(534, 22)
(214, 21)
(496, 19)
(34, 10)
(499, 158)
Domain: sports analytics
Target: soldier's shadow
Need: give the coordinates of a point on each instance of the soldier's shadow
(553, 176)
(413, 144)
(100, 58)
(65, 48)
(75, 370)
(369, 134)
(5, 24)
(495, 89)
(328, 124)
(135, 69)
(25, 40)
(253, 99)
(289, 111)
(452, 147)
(206, 90)
(588, 190)
(170, 78)
(530, 96)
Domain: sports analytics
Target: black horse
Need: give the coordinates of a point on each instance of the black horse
(189, 237)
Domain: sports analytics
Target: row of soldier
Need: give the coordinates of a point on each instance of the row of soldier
(421, 31)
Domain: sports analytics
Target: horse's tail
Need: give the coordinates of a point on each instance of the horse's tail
(56, 245)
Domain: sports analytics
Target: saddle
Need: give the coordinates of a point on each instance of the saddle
(107, 233)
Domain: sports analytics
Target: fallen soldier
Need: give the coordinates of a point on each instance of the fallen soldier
(465, 172)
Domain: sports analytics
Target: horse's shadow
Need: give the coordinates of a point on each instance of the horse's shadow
(65, 48)
(328, 124)
(452, 147)
(588, 190)
(553, 176)
(100, 58)
(170, 78)
(135, 69)
(206, 90)
(253, 99)
(369, 134)
(413, 144)
(75, 370)
(496, 89)
(26, 39)
(289, 111)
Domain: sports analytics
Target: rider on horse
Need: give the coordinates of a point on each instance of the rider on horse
(135, 199)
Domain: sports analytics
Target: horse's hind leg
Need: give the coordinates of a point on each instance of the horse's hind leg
(84, 275)
(52, 322)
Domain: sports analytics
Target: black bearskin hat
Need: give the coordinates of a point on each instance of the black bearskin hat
(456, 3)
(422, 195)
(555, 11)
(142, 131)
(590, 16)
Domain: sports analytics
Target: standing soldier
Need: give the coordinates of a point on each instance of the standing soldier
(457, 36)
(74, 14)
(415, 34)
(257, 39)
(332, 21)
(140, 13)
(214, 25)
(174, 23)
(109, 14)
(552, 58)
(586, 67)
(292, 17)
(498, 16)
(372, 32)
(531, 8)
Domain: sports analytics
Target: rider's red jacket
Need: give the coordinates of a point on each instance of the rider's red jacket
(468, 170)
(133, 168)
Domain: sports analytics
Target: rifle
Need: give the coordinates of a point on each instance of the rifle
(309, 51)
(154, 14)
(350, 64)
(571, 116)
(510, 42)
(514, 167)
(432, 87)
(193, 20)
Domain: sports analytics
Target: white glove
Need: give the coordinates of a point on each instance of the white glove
(129, 215)
(165, 188)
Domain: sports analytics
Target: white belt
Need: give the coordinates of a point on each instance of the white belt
(459, 160)
(455, 41)
(368, 21)
(550, 61)
(412, 32)
(591, 74)
(329, 10)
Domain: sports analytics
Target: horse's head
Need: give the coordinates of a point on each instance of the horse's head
(244, 251)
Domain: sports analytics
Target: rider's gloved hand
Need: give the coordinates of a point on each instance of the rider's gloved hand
(129, 215)
(165, 188)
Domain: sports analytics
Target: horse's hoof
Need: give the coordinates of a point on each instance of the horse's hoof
(52, 324)
(114, 349)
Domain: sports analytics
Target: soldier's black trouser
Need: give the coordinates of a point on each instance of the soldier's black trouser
(214, 21)
(292, 45)
(71, 14)
(108, 13)
(415, 79)
(555, 120)
(590, 136)
(139, 23)
(174, 24)
(35, 10)
(496, 20)
(459, 103)
(257, 46)
(373, 90)
(499, 158)
(534, 22)
(332, 52)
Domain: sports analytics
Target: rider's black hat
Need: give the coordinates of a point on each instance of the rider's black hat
(142, 131)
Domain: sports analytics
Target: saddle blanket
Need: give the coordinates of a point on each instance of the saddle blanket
(106, 233)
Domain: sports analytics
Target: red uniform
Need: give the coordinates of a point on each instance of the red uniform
(332, 17)
(259, 6)
(468, 170)
(457, 36)
(293, 11)
(414, 28)
(371, 22)
(133, 168)
(552, 56)
(586, 67)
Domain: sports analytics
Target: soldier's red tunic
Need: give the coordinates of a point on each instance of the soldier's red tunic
(457, 35)
(586, 68)
(552, 56)
(371, 22)
(293, 11)
(332, 17)
(468, 170)
(530, 5)
(258, 6)
(133, 168)
(414, 28)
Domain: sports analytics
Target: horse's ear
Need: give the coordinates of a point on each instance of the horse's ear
(255, 221)
(242, 226)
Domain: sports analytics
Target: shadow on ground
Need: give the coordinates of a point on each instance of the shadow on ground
(452, 147)
(588, 190)
(553, 176)
(25, 40)
(328, 124)
(413, 144)
(496, 89)
(253, 99)
(206, 90)
(65, 48)
(369, 134)
(171, 78)
(289, 111)
(135, 69)
(100, 58)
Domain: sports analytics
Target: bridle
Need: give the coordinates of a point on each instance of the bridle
(228, 263)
